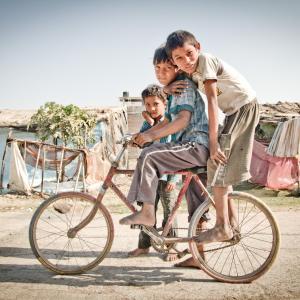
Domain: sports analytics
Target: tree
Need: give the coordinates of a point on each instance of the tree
(70, 124)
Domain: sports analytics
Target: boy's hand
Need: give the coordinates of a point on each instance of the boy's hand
(170, 186)
(176, 88)
(143, 138)
(217, 155)
(146, 115)
(132, 142)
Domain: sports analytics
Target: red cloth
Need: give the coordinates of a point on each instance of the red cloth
(270, 171)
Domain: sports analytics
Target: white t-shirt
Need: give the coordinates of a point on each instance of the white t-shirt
(233, 89)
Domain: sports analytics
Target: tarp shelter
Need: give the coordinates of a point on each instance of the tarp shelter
(88, 166)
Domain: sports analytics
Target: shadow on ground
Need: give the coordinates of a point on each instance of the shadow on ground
(103, 275)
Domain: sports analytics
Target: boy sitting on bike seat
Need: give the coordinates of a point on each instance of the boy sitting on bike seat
(155, 104)
(186, 120)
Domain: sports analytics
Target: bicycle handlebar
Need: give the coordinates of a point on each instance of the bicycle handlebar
(127, 138)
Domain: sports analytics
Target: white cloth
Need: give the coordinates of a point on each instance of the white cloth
(18, 176)
(233, 89)
(286, 139)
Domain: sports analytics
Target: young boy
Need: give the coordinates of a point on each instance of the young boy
(155, 104)
(226, 88)
(187, 121)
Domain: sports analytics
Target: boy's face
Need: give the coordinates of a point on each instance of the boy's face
(186, 57)
(155, 106)
(165, 72)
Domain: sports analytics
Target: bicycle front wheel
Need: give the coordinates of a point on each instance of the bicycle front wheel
(252, 250)
(50, 238)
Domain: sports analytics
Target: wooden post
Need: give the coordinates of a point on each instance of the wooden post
(3, 166)
(24, 154)
(83, 174)
(4, 154)
(43, 170)
(60, 169)
(36, 165)
(78, 174)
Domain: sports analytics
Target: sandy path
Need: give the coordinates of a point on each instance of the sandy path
(118, 277)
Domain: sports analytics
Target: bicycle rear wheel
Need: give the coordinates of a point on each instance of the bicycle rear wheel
(49, 227)
(252, 250)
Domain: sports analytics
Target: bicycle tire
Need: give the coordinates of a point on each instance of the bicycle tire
(49, 227)
(237, 261)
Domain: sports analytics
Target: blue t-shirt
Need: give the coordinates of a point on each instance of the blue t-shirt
(191, 100)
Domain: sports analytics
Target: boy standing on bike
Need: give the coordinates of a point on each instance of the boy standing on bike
(155, 104)
(226, 88)
(187, 122)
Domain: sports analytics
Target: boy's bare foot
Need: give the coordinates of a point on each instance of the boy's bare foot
(138, 218)
(170, 256)
(138, 251)
(145, 216)
(187, 263)
(219, 233)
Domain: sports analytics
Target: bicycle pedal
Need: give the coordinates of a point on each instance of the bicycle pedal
(136, 226)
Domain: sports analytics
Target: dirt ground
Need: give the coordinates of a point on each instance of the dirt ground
(120, 277)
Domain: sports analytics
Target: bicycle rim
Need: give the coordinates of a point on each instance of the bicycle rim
(254, 249)
(48, 233)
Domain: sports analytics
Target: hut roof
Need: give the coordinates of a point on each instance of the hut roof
(273, 113)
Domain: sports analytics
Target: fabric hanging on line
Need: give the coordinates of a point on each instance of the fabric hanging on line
(18, 176)
(272, 172)
(286, 139)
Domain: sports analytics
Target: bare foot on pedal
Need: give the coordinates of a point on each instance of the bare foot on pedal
(219, 233)
(145, 216)
(187, 263)
(139, 219)
(138, 251)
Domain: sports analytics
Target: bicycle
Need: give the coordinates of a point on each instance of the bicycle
(77, 238)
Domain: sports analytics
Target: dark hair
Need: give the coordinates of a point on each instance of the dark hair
(178, 39)
(153, 90)
(160, 55)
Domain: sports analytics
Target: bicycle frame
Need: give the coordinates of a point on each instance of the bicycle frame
(108, 183)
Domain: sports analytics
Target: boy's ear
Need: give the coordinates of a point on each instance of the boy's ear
(198, 46)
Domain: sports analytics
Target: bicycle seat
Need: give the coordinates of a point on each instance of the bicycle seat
(196, 170)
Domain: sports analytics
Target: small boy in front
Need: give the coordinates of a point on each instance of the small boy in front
(155, 102)
(226, 88)
(186, 120)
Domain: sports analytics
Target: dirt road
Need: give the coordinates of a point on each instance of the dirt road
(119, 277)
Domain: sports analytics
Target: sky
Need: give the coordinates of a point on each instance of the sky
(88, 52)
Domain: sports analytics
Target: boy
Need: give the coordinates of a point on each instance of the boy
(187, 121)
(226, 88)
(155, 103)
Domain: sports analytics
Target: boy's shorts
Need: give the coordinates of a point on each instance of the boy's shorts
(236, 141)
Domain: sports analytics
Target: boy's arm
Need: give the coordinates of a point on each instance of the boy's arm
(182, 120)
(148, 117)
(216, 154)
(145, 126)
(158, 125)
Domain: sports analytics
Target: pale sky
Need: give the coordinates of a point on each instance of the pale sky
(88, 52)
